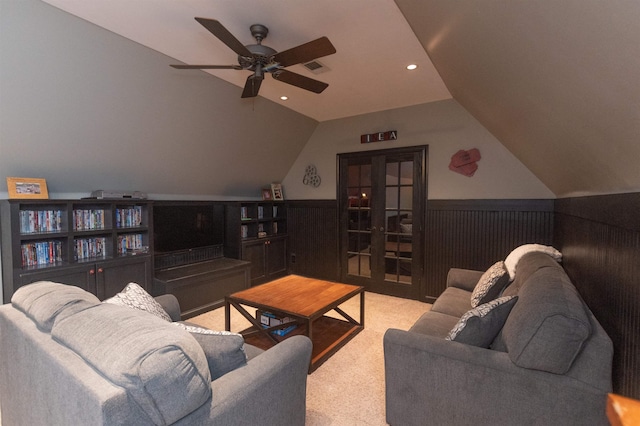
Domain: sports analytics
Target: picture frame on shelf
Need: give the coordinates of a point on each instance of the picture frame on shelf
(266, 194)
(34, 188)
(276, 190)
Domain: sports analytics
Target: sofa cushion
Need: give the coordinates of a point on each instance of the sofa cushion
(453, 301)
(511, 262)
(162, 367)
(134, 296)
(481, 325)
(44, 301)
(224, 350)
(434, 324)
(549, 326)
(490, 284)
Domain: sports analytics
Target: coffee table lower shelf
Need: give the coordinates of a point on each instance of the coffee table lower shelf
(329, 335)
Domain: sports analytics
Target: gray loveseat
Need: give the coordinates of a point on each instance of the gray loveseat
(549, 365)
(68, 359)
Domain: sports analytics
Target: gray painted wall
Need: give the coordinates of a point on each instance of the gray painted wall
(446, 127)
(87, 109)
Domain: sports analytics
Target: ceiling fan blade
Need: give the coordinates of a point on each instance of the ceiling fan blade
(218, 30)
(207, 67)
(300, 81)
(251, 87)
(305, 52)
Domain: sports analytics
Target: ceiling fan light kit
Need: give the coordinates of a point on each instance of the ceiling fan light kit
(262, 59)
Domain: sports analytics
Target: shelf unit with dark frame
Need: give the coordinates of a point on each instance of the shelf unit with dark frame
(98, 245)
(256, 231)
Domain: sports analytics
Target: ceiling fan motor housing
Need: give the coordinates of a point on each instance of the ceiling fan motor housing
(261, 55)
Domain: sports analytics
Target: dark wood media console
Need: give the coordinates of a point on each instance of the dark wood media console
(202, 286)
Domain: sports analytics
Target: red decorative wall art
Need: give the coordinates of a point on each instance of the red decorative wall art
(465, 162)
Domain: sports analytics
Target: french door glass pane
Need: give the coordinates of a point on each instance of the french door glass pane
(398, 213)
(359, 227)
(406, 198)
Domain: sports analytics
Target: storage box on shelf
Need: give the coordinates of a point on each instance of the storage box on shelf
(270, 319)
(257, 231)
(87, 243)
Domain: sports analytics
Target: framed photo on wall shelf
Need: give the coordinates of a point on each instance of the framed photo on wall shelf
(276, 190)
(34, 188)
(266, 194)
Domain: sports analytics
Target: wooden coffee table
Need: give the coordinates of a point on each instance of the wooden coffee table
(306, 300)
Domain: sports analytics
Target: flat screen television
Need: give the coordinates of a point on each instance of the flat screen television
(187, 226)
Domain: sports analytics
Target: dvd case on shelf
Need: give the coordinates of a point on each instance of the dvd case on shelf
(88, 219)
(39, 221)
(129, 243)
(90, 248)
(41, 253)
(129, 217)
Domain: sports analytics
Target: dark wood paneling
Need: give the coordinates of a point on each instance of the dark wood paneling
(614, 210)
(600, 241)
(313, 238)
(474, 234)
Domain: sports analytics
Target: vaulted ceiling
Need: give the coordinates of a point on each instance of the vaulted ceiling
(557, 82)
(373, 42)
(554, 81)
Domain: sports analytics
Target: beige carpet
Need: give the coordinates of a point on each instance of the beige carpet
(348, 389)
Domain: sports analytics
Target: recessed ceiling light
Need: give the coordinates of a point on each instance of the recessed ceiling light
(284, 98)
(412, 67)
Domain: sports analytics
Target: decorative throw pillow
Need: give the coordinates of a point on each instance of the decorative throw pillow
(224, 350)
(134, 296)
(480, 326)
(512, 259)
(490, 284)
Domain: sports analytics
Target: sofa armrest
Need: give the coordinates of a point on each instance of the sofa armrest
(430, 380)
(270, 390)
(170, 304)
(465, 279)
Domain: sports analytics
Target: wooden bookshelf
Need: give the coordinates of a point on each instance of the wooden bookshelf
(256, 231)
(98, 245)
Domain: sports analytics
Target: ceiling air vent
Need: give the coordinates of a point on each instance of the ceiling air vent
(316, 67)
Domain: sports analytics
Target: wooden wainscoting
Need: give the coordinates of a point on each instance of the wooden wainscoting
(313, 238)
(470, 234)
(599, 238)
(474, 234)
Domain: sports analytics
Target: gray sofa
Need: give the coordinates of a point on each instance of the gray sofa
(68, 359)
(549, 365)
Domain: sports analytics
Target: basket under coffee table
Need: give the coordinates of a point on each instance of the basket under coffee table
(306, 300)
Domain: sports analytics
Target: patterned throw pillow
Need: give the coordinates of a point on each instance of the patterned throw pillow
(490, 284)
(224, 350)
(201, 330)
(134, 296)
(480, 326)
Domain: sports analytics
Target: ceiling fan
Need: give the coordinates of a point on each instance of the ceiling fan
(262, 59)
